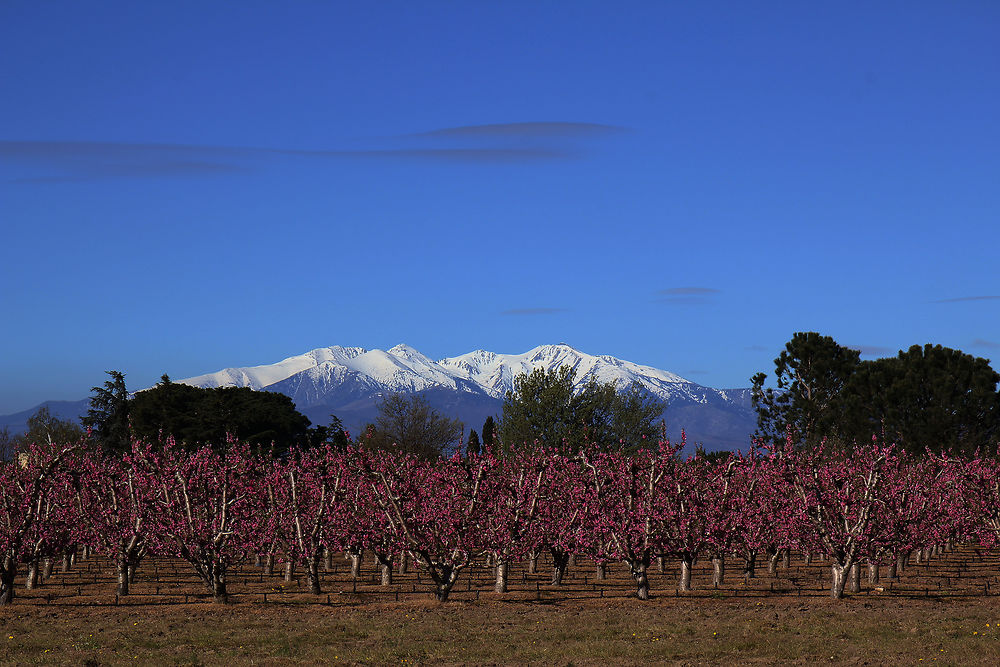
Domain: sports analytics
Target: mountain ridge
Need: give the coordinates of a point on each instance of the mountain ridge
(350, 382)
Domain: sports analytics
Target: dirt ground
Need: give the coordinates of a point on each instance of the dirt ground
(943, 611)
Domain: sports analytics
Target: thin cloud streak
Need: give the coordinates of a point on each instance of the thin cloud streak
(688, 291)
(982, 342)
(555, 129)
(78, 161)
(534, 311)
(167, 169)
(968, 298)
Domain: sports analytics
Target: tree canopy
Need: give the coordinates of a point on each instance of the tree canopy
(108, 415)
(926, 397)
(194, 416)
(408, 423)
(544, 407)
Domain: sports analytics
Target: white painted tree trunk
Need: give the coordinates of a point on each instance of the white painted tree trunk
(718, 571)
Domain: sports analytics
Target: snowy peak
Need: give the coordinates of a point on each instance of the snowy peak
(312, 377)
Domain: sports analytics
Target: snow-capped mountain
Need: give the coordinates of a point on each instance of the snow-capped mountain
(348, 381)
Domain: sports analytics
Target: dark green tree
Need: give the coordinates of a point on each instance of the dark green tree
(408, 423)
(473, 446)
(927, 397)
(810, 373)
(336, 433)
(195, 416)
(489, 432)
(108, 415)
(544, 407)
(9, 444)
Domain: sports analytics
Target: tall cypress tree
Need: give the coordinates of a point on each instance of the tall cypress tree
(489, 433)
(473, 446)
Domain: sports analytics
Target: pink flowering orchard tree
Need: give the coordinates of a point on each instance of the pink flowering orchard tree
(632, 513)
(764, 509)
(309, 489)
(25, 487)
(698, 513)
(438, 508)
(979, 482)
(56, 526)
(839, 497)
(118, 506)
(564, 517)
(211, 510)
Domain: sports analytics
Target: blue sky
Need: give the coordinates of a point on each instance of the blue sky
(187, 186)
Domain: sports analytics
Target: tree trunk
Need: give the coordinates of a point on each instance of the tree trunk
(7, 574)
(258, 561)
(533, 562)
(404, 562)
(808, 558)
(444, 583)
(602, 571)
(123, 578)
(873, 573)
(327, 560)
(386, 574)
(661, 564)
(684, 584)
(312, 573)
(269, 563)
(67, 561)
(718, 571)
(854, 579)
(750, 566)
(560, 560)
(639, 568)
(503, 568)
(786, 558)
(219, 593)
(893, 571)
(839, 580)
(356, 565)
(47, 568)
(31, 580)
(289, 570)
(772, 561)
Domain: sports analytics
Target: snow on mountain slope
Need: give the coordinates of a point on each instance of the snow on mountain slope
(312, 378)
(496, 372)
(258, 377)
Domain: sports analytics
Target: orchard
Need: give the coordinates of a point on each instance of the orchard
(218, 511)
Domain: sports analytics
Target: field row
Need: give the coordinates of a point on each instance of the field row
(964, 572)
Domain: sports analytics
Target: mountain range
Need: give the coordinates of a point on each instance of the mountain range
(349, 382)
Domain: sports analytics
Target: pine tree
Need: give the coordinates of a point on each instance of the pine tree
(473, 446)
(489, 433)
(108, 415)
(811, 372)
